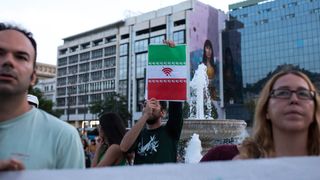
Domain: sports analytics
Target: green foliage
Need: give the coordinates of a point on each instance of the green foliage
(45, 104)
(112, 103)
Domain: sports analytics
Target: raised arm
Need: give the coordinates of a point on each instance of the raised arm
(175, 121)
(130, 137)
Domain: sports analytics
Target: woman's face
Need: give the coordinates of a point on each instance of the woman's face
(293, 113)
(208, 52)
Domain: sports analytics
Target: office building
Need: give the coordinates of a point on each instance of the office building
(112, 59)
(264, 35)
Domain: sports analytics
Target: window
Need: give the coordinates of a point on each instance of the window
(61, 101)
(108, 85)
(96, 65)
(72, 79)
(85, 45)
(74, 49)
(158, 28)
(95, 98)
(63, 51)
(108, 51)
(123, 67)
(85, 56)
(109, 73)
(62, 61)
(123, 88)
(123, 49)
(97, 42)
(125, 36)
(180, 22)
(84, 67)
(140, 93)
(62, 81)
(73, 59)
(97, 53)
(73, 69)
(110, 62)
(111, 39)
(157, 39)
(96, 75)
(61, 91)
(141, 62)
(179, 37)
(141, 46)
(84, 77)
(62, 71)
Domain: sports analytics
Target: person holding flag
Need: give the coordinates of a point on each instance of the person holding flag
(151, 141)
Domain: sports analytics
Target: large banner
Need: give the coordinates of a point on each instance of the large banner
(167, 73)
(298, 168)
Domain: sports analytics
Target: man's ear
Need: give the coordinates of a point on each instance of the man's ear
(33, 78)
(163, 113)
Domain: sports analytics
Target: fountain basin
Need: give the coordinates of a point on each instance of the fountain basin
(214, 132)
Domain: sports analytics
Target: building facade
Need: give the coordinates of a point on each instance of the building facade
(45, 71)
(113, 58)
(48, 88)
(264, 35)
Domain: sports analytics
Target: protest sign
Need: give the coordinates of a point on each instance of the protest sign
(167, 73)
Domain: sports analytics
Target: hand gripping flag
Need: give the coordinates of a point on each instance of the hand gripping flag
(167, 73)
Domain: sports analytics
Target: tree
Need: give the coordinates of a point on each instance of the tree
(112, 103)
(45, 104)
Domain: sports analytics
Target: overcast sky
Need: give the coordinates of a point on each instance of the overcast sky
(51, 21)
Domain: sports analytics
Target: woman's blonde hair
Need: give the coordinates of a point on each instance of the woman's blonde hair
(261, 143)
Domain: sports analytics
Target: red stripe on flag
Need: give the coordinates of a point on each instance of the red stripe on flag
(167, 89)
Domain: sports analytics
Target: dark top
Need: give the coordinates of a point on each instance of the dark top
(160, 145)
(221, 153)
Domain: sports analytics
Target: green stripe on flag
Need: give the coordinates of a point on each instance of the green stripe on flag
(165, 55)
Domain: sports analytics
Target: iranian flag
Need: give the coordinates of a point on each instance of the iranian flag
(167, 73)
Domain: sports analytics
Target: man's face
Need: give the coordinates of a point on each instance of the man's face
(17, 56)
(157, 113)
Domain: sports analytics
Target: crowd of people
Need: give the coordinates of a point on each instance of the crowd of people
(286, 122)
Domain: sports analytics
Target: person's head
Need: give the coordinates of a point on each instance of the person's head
(33, 100)
(18, 52)
(208, 54)
(288, 103)
(93, 142)
(111, 128)
(84, 143)
(158, 112)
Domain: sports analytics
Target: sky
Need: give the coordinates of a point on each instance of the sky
(51, 21)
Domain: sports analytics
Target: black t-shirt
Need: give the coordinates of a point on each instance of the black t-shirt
(160, 145)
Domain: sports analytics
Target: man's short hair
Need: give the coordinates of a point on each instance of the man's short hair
(29, 35)
(163, 105)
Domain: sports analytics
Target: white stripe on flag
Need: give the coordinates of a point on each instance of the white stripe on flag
(164, 72)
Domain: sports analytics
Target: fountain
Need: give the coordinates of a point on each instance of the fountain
(211, 131)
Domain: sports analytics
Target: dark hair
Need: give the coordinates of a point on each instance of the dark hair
(163, 105)
(207, 43)
(113, 127)
(27, 34)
